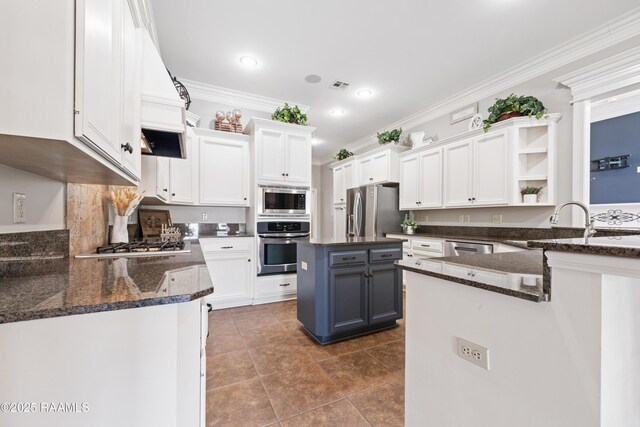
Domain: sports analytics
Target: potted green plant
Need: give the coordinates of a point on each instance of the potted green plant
(290, 115)
(514, 106)
(389, 136)
(343, 154)
(409, 226)
(530, 195)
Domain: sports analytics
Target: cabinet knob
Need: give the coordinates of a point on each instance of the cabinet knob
(165, 190)
(248, 260)
(173, 194)
(287, 174)
(469, 199)
(473, 199)
(127, 147)
(370, 179)
(282, 173)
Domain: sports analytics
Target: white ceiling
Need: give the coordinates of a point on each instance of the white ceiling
(411, 53)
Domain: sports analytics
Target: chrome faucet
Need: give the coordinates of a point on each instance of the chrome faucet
(589, 229)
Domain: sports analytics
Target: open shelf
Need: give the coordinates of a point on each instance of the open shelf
(533, 150)
(533, 178)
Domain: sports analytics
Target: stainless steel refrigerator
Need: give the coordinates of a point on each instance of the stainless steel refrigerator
(373, 210)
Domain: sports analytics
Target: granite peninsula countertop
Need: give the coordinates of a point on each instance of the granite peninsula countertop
(517, 274)
(465, 238)
(40, 288)
(350, 241)
(621, 246)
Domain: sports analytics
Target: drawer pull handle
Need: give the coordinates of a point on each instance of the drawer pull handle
(426, 246)
(348, 258)
(285, 284)
(226, 247)
(386, 255)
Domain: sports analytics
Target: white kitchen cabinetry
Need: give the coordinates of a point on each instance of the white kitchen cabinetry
(282, 152)
(479, 169)
(380, 165)
(343, 179)
(224, 171)
(339, 222)
(458, 174)
(232, 269)
(279, 287)
(216, 171)
(85, 108)
(421, 180)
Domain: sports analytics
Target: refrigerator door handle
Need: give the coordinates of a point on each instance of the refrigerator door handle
(358, 214)
(350, 224)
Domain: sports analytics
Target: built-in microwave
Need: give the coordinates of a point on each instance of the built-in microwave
(283, 201)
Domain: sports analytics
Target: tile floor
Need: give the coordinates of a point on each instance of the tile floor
(262, 370)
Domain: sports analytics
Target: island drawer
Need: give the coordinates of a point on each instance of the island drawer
(385, 255)
(347, 258)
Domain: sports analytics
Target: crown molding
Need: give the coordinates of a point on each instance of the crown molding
(604, 76)
(606, 35)
(221, 95)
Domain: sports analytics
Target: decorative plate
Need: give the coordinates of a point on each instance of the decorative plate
(475, 122)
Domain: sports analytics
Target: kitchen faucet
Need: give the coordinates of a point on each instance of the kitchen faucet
(589, 229)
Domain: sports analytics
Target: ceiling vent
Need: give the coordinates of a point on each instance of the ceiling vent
(339, 85)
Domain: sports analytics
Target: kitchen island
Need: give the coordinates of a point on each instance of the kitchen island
(560, 354)
(348, 287)
(118, 341)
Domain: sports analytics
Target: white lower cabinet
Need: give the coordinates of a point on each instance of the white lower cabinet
(274, 288)
(232, 268)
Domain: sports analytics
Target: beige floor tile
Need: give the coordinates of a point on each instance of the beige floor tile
(382, 406)
(278, 357)
(218, 344)
(222, 326)
(229, 368)
(243, 404)
(391, 355)
(357, 371)
(298, 390)
(338, 414)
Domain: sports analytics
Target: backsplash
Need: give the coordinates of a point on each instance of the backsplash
(87, 217)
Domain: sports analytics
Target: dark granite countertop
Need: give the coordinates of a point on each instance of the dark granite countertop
(69, 286)
(350, 241)
(517, 274)
(464, 238)
(621, 246)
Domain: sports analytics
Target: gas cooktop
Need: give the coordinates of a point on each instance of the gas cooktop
(139, 249)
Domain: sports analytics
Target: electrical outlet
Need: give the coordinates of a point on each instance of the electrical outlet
(204, 216)
(19, 201)
(467, 218)
(496, 218)
(426, 218)
(474, 353)
(460, 218)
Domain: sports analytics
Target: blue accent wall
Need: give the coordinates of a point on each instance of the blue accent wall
(616, 137)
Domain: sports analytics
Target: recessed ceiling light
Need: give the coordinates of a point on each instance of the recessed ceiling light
(313, 78)
(364, 93)
(337, 112)
(248, 61)
(316, 141)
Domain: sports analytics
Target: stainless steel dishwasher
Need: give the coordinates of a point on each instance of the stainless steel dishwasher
(453, 248)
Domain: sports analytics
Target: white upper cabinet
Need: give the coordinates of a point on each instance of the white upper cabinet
(458, 173)
(297, 159)
(491, 169)
(98, 62)
(282, 152)
(82, 66)
(380, 165)
(183, 174)
(270, 154)
(130, 112)
(224, 171)
(482, 169)
(343, 179)
(162, 181)
(421, 180)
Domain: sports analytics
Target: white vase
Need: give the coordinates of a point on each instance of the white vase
(409, 230)
(417, 139)
(119, 232)
(530, 199)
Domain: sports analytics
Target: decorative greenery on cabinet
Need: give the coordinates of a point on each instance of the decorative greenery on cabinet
(514, 106)
(343, 154)
(531, 190)
(389, 136)
(290, 115)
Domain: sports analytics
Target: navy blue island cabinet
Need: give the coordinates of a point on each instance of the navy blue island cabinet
(348, 287)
